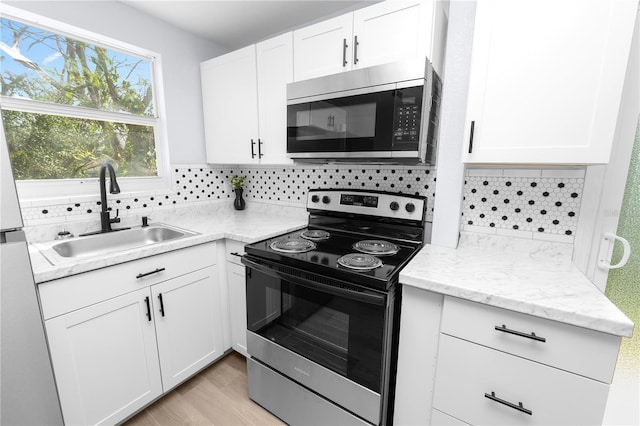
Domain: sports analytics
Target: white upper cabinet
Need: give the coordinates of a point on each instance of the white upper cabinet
(275, 71)
(244, 103)
(230, 105)
(384, 32)
(323, 48)
(546, 80)
(390, 31)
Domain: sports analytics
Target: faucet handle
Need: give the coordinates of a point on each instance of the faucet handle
(145, 221)
(116, 219)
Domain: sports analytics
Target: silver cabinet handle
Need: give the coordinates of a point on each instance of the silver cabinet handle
(344, 52)
(355, 49)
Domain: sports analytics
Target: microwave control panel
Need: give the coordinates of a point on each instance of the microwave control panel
(407, 126)
(406, 122)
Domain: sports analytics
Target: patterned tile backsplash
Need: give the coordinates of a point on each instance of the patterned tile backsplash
(289, 185)
(202, 184)
(530, 203)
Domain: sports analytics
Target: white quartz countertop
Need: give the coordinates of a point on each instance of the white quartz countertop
(527, 276)
(247, 226)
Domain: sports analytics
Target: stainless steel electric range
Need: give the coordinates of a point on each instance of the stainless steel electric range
(323, 308)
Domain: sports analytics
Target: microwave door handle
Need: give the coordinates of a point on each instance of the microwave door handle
(366, 297)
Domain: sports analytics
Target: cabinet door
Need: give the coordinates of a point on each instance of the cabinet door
(105, 359)
(238, 303)
(188, 324)
(275, 70)
(323, 48)
(390, 31)
(546, 80)
(230, 105)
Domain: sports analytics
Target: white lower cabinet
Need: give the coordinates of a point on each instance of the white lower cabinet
(480, 385)
(501, 367)
(188, 324)
(105, 360)
(160, 321)
(417, 356)
(236, 279)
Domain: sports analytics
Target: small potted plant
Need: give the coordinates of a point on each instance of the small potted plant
(237, 182)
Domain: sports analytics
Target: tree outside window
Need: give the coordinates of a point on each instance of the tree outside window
(69, 105)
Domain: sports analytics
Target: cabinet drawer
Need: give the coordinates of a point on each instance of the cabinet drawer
(467, 372)
(575, 349)
(234, 248)
(74, 292)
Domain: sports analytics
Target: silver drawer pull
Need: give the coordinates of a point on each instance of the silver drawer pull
(518, 407)
(531, 336)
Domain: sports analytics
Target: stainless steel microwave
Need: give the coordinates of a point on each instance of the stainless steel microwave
(387, 112)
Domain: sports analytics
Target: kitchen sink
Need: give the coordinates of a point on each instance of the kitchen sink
(110, 242)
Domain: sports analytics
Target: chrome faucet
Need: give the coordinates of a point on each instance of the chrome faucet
(105, 218)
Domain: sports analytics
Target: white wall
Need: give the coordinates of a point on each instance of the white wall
(181, 56)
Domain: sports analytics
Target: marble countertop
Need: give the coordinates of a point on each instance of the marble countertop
(247, 226)
(527, 276)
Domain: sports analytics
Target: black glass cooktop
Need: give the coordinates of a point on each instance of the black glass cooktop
(323, 259)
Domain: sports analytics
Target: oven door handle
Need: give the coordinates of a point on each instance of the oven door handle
(360, 296)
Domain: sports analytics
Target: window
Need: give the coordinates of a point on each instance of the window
(72, 100)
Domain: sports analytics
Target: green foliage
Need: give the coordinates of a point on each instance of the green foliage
(238, 181)
(44, 146)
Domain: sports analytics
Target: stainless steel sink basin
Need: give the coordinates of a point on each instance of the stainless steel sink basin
(101, 244)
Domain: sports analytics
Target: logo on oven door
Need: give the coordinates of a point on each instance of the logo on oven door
(301, 371)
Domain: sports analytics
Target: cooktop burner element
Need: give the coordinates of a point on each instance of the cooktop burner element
(315, 235)
(359, 261)
(377, 247)
(292, 246)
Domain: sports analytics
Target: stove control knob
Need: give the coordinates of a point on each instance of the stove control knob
(394, 206)
(315, 198)
(326, 199)
(410, 207)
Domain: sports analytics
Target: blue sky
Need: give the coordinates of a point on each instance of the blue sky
(21, 59)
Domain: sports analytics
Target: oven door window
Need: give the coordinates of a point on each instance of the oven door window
(338, 331)
(359, 123)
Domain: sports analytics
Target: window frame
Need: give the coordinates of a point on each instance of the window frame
(43, 188)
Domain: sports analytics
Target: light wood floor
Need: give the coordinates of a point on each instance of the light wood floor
(216, 396)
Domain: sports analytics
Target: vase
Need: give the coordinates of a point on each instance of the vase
(239, 203)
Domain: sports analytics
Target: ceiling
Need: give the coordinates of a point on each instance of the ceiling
(235, 24)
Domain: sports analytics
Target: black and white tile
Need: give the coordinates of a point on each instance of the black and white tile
(289, 185)
(529, 203)
(194, 185)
